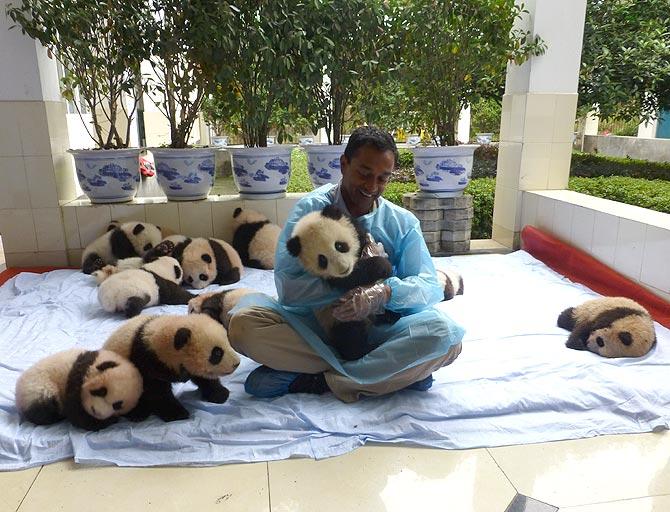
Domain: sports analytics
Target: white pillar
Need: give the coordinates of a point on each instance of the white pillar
(647, 130)
(591, 123)
(538, 114)
(463, 131)
(35, 171)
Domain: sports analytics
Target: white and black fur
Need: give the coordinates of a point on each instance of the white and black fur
(329, 245)
(218, 304)
(132, 290)
(451, 283)
(126, 240)
(88, 388)
(204, 261)
(255, 238)
(175, 348)
(610, 327)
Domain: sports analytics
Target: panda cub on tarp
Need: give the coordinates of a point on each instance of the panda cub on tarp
(88, 388)
(175, 348)
(329, 244)
(130, 291)
(255, 238)
(120, 241)
(204, 261)
(610, 327)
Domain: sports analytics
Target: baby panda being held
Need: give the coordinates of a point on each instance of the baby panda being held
(132, 290)
(610, 327)
(329, 244)
(175, 348)
(88, 388)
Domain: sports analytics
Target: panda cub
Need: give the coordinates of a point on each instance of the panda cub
(255, 238)
(175, 348)
(132, 290)
(89, 388)
(120, 241)
(203, 260)
(451, 283)
(610, 327)
(329, 243)
(218, 304)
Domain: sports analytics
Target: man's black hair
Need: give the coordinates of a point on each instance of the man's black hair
(371, 136)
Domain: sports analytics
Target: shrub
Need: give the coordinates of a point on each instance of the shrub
(652, 194)
(482, 191)
(299, 181)
(589, 165)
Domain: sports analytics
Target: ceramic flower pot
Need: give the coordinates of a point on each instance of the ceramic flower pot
(262, 173)
(484, 138)
(323, 163)
(443, 170)
(108, 175)
(185, 174)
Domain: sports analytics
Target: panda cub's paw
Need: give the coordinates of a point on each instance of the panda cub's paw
(104, 273)
(196, 303)
(164, 248)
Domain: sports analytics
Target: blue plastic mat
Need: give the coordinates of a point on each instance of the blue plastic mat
(515, 382)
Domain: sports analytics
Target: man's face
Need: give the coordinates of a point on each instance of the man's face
(364, 177)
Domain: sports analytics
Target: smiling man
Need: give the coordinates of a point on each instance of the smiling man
(281, 335)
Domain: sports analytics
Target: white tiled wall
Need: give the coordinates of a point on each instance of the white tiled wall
(83, 222)
(633, 241)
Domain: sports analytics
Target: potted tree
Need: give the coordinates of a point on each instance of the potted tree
(100, 45)
(177, 34)
(454, 53)
(262, 61)
(353, 42)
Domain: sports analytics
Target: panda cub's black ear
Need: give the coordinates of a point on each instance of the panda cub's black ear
(138, 229)
(237, 212)
(293, 246)
(181, 337)
(332, 212)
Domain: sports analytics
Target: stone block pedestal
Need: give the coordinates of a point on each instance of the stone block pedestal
(446, 222)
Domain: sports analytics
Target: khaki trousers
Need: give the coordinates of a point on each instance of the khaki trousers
(264, 336)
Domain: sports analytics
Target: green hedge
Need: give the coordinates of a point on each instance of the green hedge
(590, 165)
(652, 194)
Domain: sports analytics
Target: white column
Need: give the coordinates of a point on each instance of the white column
(538, 113)
(35, 171)
(463, 131)
(647, 130)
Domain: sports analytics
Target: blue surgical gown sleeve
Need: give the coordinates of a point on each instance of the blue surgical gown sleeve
(414, 287)
(295, 287)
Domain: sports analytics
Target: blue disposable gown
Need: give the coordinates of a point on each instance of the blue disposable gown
(423, 333)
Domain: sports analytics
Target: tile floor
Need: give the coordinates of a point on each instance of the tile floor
(625, 473)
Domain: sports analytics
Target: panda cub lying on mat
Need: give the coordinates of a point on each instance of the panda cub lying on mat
(88, 388)
(610, 327)
(125, 240)
(133, 289)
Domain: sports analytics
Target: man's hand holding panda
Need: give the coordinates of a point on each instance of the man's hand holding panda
(362, 302)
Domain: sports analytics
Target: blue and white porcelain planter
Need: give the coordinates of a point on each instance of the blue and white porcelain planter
(443, 171)
(262, 173)
(108, 175)
(185, 174)
(323, 163)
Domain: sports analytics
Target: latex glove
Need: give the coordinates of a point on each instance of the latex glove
(361, 302)
(372, 248)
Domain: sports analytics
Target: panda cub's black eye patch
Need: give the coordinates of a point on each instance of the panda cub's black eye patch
(626, 338)
(216, 355)
(147, 247)
(342, 247)
(323, 261)
(600, 342)
(101, 392)
(206, 258)
(117, 405)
